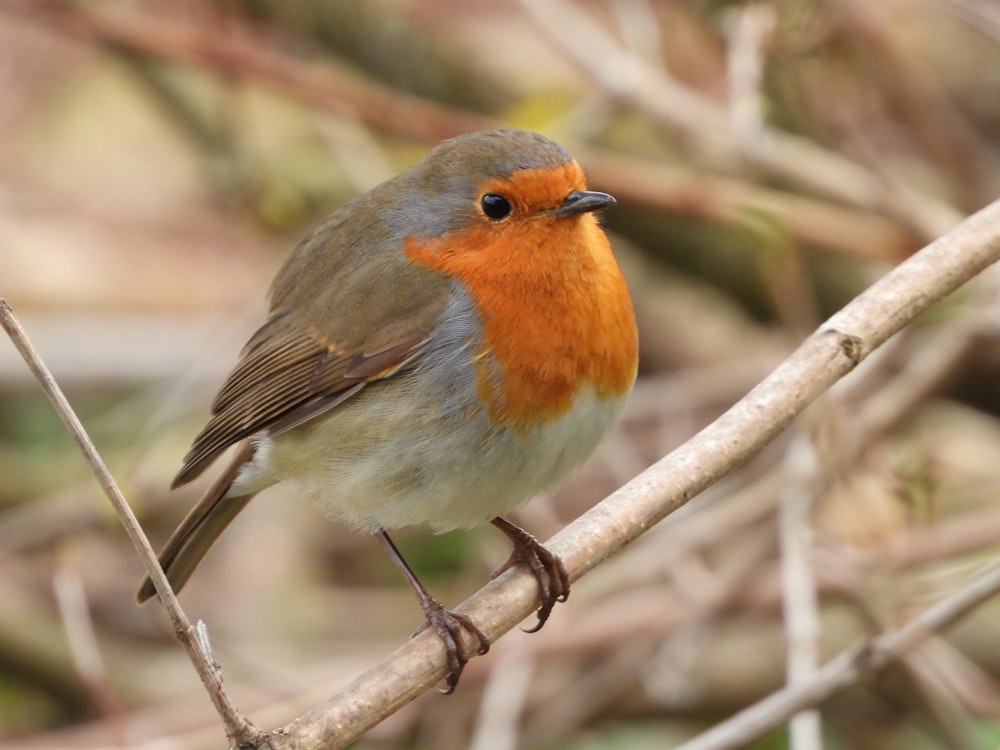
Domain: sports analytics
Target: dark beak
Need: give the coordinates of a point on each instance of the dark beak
(581, 202)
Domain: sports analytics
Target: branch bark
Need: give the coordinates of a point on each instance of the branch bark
(847, 669)
(238, 729)
(628, 79)
(822, 359)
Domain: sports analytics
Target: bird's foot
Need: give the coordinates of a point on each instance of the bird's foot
(449, 626)
(548, 569)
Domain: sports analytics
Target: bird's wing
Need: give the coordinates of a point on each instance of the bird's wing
(290, 373)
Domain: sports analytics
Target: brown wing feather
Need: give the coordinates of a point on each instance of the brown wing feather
(288, 375)
(347, 308)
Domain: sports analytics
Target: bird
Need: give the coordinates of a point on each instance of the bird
(439, 351)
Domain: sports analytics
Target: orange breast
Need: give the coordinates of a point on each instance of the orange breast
(556, 312)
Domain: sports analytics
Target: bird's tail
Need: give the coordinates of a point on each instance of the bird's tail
(201, 527)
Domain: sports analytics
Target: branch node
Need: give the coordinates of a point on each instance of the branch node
(866, 658)
(852, 346)
(250, 736)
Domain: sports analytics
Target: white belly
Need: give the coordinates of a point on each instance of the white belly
(386, 465)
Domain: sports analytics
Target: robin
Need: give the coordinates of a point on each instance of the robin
(443, 348)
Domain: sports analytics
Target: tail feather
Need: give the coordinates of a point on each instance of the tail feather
(200, 528)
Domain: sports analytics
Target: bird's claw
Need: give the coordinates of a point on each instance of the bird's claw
(449, 626)
(546, 567)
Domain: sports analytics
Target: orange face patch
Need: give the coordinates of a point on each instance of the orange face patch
(535, 190)
(556, 312)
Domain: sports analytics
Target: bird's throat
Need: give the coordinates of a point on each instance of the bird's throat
(555, 312)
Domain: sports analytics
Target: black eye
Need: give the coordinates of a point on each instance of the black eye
(495, 206)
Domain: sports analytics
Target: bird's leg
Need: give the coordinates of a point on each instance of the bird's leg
(447, 624)
(548, 569)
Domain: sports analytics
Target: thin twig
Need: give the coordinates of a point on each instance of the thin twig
(943, 704)
(238, 729)
(78, 625)
(853, 229)
(661, 186)
(748, 29)
(245, 54)
(503, 702)
(630, 80)
(931, 358)
(846, 669)
(798, 584)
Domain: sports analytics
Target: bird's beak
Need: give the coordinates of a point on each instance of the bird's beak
(581, 202)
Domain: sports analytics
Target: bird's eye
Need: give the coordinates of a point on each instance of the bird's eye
(495, 206)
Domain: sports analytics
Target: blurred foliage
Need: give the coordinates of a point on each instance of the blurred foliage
(161, 158)
(390, 45)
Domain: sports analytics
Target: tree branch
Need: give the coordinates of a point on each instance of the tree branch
(850, 667)
(328, 86)
(627, 78)
(822, 359)
(238, 729)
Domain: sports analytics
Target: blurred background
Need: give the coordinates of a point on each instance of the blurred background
(770, 159)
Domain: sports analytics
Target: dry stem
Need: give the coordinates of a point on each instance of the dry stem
(238, 729)
(849, 668)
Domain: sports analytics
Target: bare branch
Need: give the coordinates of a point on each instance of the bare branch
(798, 585)
(853, 229)
(327, 85)
(238, 729)
(705, 124)
(822, 359)
(846, 669)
